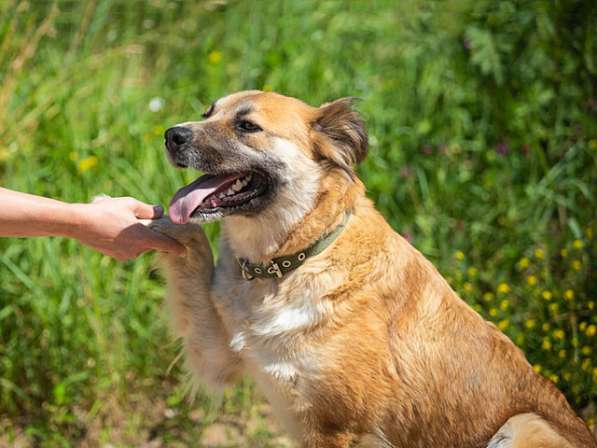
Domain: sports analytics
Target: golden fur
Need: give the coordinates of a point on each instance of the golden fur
(365, 344)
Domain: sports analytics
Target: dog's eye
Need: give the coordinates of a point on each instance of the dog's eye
(247, 126)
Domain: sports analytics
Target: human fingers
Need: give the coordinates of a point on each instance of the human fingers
(146, 211)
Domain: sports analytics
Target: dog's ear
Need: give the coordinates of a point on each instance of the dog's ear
(340, 135)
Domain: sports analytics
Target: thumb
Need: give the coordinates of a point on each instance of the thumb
(146, 211)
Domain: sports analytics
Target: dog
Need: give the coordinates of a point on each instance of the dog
(351, 334)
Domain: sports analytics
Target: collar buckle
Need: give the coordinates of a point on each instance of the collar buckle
(274, 269)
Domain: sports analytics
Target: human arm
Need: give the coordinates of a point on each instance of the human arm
(113, 226)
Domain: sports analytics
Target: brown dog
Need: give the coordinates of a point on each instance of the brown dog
(352, 335)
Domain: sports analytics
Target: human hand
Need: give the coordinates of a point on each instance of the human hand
(114, 226)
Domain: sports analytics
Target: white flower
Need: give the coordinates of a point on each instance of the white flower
(156, 104)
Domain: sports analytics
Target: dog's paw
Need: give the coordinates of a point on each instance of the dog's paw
(190, 235)
(198, 262)
(183, 233)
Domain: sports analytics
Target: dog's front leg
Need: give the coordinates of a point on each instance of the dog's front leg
(194, 317)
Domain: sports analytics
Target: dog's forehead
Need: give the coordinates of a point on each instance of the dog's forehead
(235, 100)
(266, 103)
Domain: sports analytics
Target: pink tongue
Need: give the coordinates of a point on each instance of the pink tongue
(188, 198)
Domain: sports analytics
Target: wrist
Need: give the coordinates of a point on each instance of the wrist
(71, 219)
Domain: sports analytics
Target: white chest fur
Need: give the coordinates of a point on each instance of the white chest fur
(271, 327)
(273, 335)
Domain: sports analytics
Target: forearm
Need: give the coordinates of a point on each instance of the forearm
(113, 226)
(24, 215)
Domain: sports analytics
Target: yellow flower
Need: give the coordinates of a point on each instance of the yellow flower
(539, 254)
(589, 232)
(554, 308)
(545, 326)
(569, 294)
(576, 265)
(530, 323)
(559, 334)
(503, 288)
(504, 324)
(547, 295)
(562, 353)
(492, 312)
(467, 287)
(546, 345)
(5, 153)
(586, 363)
(578, 244)
(564, 253)
(591, 330)
(532, 280)
(586, 350)
(504, 304)
(459, 255)
(488, 296)
(472, 272)
(591, 305)
(87, 163)
(73, 156)
(582, 326)
(567, 376)
(595, 373)
(593, 143)
(523, 263)
(554, 378)
(537, 368)
(214, 57)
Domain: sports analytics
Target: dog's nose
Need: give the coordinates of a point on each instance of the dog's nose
(177, 137)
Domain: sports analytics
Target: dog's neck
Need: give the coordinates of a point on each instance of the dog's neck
(289, 228)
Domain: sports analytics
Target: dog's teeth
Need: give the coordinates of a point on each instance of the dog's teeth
(229, 192)
(237, 186)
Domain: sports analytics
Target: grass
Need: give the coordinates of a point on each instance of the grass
(483, 153)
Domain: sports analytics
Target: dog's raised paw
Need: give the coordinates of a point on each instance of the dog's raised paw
(190, 235)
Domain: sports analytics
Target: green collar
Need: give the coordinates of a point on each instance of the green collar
(277, 267)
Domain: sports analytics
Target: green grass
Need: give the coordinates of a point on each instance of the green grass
(482, 118)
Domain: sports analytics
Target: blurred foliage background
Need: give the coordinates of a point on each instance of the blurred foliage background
(483, 136)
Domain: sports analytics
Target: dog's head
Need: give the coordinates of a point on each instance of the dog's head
(258, 149)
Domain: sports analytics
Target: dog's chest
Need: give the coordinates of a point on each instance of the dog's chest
(273, 331)
(272, 326)
(273, 341)
(281, 363)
